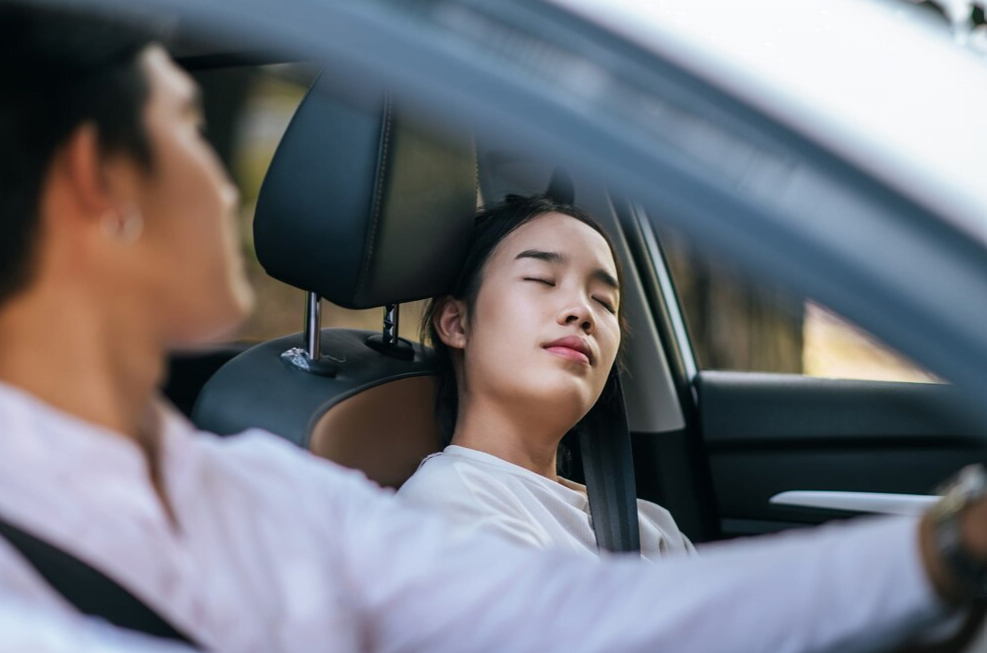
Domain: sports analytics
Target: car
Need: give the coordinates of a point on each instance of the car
(780, 138)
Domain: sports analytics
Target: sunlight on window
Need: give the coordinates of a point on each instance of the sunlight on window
(835, 348)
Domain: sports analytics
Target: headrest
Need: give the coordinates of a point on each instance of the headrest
(363, 205)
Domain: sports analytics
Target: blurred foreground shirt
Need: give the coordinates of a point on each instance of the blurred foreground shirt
(26, 630)
(277, 551)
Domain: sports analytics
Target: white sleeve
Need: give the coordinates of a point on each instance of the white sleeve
(31, 630)
(849, 587)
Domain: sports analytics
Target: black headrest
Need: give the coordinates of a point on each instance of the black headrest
(362, 205)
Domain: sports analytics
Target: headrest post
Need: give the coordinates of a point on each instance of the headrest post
(313, 326)
(388, 342)
(391, 318)
(310, 358)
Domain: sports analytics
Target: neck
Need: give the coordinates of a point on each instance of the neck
(527, 440)
(98, 367)
(101, 367)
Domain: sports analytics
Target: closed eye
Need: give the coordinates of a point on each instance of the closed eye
(607, 305)
(547, 282)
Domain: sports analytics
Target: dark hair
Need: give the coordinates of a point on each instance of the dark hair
(58, 70)
(493, 224)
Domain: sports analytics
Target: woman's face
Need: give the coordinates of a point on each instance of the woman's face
(186, 261)
(545, 326)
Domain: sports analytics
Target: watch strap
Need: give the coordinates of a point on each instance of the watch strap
(968, 571)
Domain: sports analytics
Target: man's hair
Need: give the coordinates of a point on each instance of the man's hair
(59, 69)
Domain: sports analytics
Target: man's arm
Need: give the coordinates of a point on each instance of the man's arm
(850, 587)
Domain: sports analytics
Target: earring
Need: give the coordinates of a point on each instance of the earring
(124, 226)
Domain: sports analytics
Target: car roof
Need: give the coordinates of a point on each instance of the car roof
(883, 83)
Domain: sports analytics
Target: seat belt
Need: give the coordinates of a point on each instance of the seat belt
(605, 450)
(88, 589)
(605, 443)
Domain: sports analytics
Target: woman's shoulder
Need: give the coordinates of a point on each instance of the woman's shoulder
(654, 513)
(485, 478)
(452, 475)
(659, 527)
(435, 471)
(464, 481)
(474, 496)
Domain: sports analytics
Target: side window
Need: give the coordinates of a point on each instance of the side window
(248, 109)
(737, 324)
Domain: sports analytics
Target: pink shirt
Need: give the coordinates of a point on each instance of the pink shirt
(278, 551)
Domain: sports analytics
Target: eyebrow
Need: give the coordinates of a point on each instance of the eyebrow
(556, 258)
(550, 257)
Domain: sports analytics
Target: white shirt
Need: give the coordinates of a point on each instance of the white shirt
(280, 552)
(26, 630)
(478, 490)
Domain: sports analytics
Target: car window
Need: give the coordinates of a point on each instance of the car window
(248, 109)
(736, 323)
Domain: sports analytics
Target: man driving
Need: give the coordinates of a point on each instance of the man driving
(119, 244)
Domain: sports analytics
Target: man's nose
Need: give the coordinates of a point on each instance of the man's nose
(231, 194)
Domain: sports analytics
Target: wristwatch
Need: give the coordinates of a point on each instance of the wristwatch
(969, 571)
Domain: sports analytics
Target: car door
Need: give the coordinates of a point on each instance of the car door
(783, 450)
(786, 450)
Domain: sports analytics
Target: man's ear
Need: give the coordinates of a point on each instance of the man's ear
(450, 322)
(82, 171)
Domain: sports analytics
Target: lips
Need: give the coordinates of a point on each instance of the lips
(572, 348)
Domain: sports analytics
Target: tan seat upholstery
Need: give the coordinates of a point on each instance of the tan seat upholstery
(385, 431)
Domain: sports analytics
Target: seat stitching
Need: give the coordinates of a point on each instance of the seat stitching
(381, 173)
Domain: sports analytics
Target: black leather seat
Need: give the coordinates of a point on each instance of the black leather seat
(365, 208)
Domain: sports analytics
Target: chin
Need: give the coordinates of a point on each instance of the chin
(216, 322)
(567, 395)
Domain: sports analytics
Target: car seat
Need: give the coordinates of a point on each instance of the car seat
(366, 207)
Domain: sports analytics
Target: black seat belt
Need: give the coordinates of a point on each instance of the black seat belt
(605, 443)
(605, 450)
(89, 590)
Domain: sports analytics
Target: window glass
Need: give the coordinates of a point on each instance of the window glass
(737, 324)
(248, 109)
(834, 347)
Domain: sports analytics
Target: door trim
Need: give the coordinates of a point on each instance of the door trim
(870, 502)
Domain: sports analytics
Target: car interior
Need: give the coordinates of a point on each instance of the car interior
(363, 209)
(369, 203)
(366, 204)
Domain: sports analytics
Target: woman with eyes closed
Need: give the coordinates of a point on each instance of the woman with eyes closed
(525, 344)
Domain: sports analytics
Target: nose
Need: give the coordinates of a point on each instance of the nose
(231, 194)
(578, 312)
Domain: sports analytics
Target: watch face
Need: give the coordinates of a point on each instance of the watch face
(972, 479)
(969, 484)
(952, 503)
(968, 570)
